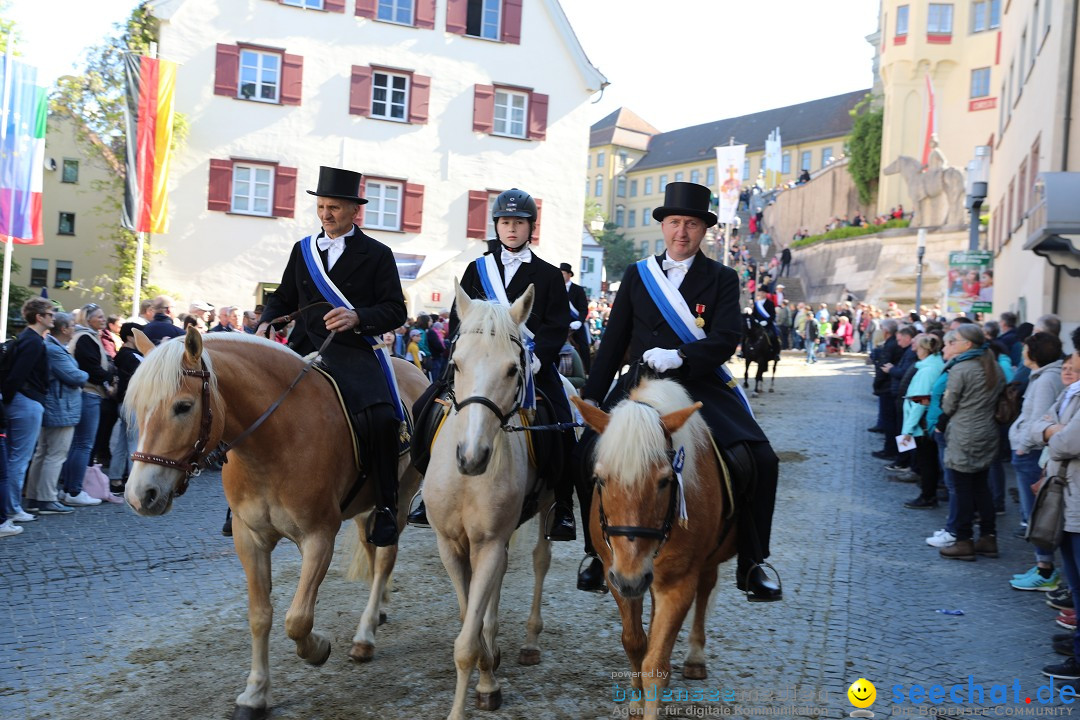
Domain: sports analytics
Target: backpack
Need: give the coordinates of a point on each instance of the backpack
(1008, 405)
(7, 356)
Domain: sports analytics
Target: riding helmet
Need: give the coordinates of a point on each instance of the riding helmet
(514, 203)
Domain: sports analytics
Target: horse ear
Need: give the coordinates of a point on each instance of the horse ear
(522, 307)
(143, 343)
(193, 347)
(462, 300)
(594, 417)
(675, 420)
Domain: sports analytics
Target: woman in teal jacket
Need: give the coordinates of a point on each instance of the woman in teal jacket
(947, 535)
(927, 370)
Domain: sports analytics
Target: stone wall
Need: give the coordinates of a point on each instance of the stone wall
(876, 268)
(831, 193)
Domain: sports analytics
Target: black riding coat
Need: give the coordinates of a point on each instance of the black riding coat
(549, 320)
(636, 325)
(366, 274)
(578, 299)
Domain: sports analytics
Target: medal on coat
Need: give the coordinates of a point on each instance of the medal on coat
(699, 321)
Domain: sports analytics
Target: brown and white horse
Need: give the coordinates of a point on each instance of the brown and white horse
(286, 480)
(475, 487)
(636, 528)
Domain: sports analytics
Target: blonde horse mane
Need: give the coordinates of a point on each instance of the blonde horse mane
(489, 318)
(633, 443)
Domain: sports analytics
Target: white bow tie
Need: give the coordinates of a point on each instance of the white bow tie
(509, 258)
(671, 264)
(325, 243)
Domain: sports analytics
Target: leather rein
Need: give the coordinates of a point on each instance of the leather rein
(198, 459)
(504, 418)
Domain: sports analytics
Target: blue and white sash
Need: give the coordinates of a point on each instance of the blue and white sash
(494, 289)
(673, 307)
(326, 287)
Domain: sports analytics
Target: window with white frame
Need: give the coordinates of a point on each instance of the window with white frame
(678, 177)
(631, 218)
(599, 187)
(785, 163)
(980, 16)
(902, 20)
(826, 156)
(390, 96)
(483, 19)
(311, 4)
(995, 14)
(646, 216)
(383, 209)
(600, 160)
(511, 110)
(588, 264)
(396, 11)
(644, 247)
(620, 215)
(253, 189)
(746, 169)
(663, 183)
(633, 188)
(695, 176)
(804, 160)
(490, 228)
(620, 186)
(710, 175)
(260, 76)
(939, 19)
(648, 186)
(659, 247)
(980, 82)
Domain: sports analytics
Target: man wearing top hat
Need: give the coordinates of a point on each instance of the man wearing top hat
(638, 330)
(579, 313)
(338, 268)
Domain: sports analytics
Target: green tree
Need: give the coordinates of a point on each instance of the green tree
(619, 252)
(94, 100)
(864, 147)
(7, 27)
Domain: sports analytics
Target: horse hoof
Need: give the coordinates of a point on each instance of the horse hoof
(243, 712)
(321, 660)
(489, 701)
(694, 671)
(362, 652)
(529, 656)
(382, 618)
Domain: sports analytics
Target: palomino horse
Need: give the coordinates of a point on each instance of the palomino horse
(476, 485)
(286, 480)
(758, 347)
(658, 529)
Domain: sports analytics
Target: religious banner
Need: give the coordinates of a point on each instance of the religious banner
(970, 287)
(772, 159)
(729, 166)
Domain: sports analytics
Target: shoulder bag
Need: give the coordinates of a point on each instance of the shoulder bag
(1046, 524)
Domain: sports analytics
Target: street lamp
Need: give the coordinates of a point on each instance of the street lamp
(920, 251)
(978, 173)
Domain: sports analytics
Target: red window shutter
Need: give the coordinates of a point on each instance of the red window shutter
(457, 16)
(284, 192)
(366, 8)
(219, 193)
(536, 228)
(538, 113)
(292, 79)
(511, 21)
(419, 95)
(412, 214)
(425, 14)
(483, 118)
(360, 91)
(227, 70)
(476, 226)
(337, 6)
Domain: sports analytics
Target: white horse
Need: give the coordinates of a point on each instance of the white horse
(475, 487)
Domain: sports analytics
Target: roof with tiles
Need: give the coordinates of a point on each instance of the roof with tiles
(624, 128)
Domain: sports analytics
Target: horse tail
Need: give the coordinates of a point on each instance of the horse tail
(361, 553)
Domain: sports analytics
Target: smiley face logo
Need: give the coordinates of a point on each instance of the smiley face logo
(862, 693)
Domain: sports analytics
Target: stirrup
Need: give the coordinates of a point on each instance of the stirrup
(603, 588)
(414, 505)
(746, 579)
(548, 519)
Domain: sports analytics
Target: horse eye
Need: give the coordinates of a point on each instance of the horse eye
(598, 481)
(182, 407)
(511, 371)
(664, 482)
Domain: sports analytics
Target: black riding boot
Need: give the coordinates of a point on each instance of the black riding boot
(378, 429)
(591, 573)
(559, 474)
(755, 527)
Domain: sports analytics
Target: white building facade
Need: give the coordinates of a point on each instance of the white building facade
(441, 104)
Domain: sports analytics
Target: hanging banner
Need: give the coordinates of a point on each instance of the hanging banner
(149, 112)
(772, 159)
(729, 167)
(970, 288)
(23, 113)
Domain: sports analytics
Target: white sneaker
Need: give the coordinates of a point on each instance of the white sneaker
(9, 528)
(945, 539)
(80, 500)
(22, 516)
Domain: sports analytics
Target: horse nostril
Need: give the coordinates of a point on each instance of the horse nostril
(647, 580)
(151, 496)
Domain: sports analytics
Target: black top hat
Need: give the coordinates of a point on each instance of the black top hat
(565, 267)
(338, 183)
(683, 198)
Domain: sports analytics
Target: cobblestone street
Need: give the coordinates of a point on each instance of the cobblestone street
(111, 615)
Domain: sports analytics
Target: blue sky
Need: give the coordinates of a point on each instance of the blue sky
(696, 61)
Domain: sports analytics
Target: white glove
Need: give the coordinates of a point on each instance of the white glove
(535, 367)
(662, 360)
(576, 325)
(762, 323)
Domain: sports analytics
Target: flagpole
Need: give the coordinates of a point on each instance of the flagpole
(5, 296)
(136, 295)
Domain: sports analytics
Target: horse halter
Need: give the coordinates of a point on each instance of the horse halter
(197, 459)
(504, 418)
(663, 533)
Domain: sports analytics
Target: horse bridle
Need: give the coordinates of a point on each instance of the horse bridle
(663, 533)
(504, 418)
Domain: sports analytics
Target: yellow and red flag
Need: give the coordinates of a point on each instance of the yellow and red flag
(150, 85)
